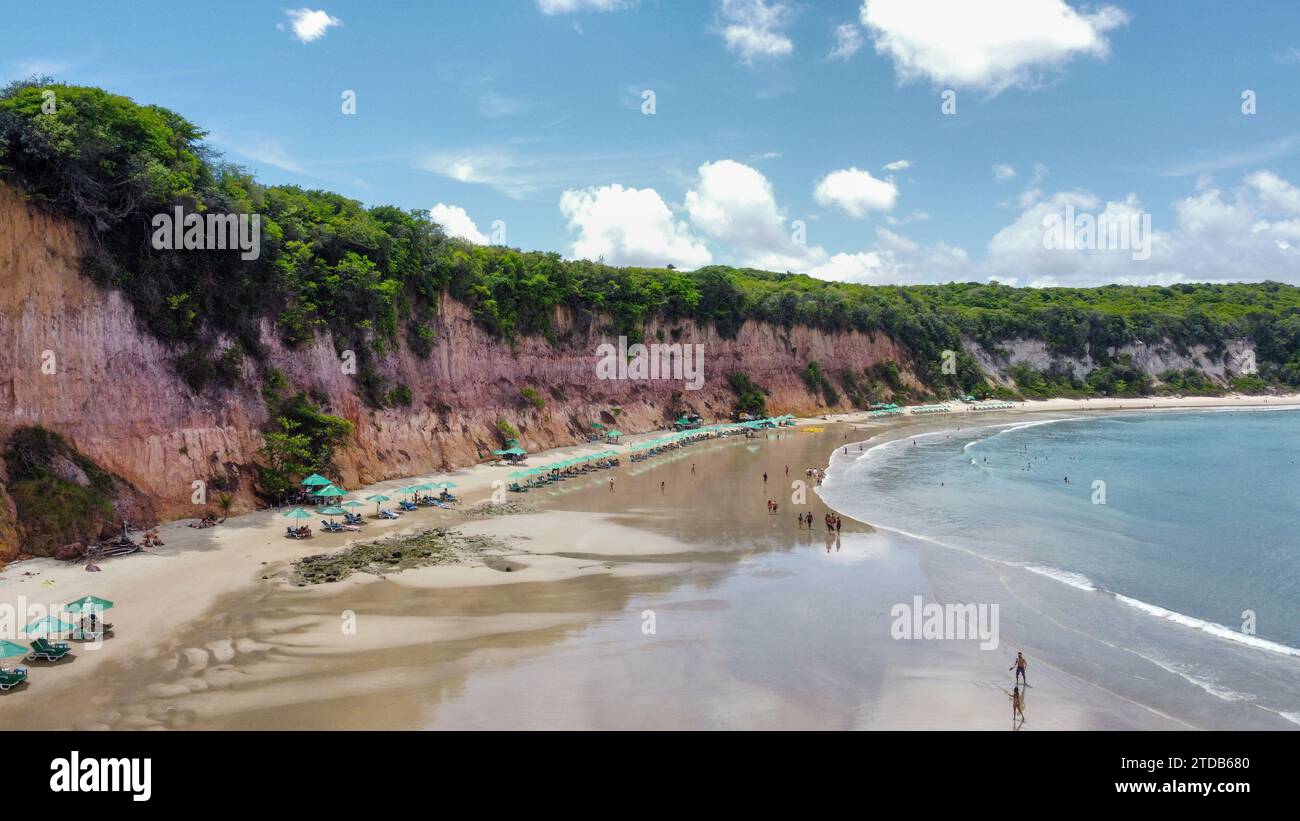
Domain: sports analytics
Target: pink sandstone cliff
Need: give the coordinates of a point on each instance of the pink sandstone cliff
(115, 395)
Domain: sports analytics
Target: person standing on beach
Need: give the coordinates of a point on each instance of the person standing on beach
(661, 487)
(1017, 705)
(838, 523)
(764, 477)
(611, 484)
(1019, 666)
(692, 468)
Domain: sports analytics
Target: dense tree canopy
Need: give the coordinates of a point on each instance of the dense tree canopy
(371, 276)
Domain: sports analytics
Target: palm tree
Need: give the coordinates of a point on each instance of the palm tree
(225, 501)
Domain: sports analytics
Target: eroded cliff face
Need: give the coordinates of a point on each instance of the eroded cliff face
(74, 360)
(1237, 359)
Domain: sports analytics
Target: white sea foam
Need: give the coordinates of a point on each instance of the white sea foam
(1210, 627)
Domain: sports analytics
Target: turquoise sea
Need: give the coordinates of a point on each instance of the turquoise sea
(1174, 536)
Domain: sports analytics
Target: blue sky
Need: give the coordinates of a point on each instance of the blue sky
(767, 112)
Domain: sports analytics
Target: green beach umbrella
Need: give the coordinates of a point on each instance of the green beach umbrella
(298, 513)
(516, 451)
(332, 511)
(517, 474)
(48, 625)
(378, 497)
(500, 452)
(614, 434)
(88, 604)
(448, 485)
(352, 504)
(597, 426)
(330, 490)
(316, 479)
(9, 650)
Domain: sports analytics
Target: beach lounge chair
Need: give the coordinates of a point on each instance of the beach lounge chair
(385, 513)
(405, 505)
(48, 650)
(12, 678)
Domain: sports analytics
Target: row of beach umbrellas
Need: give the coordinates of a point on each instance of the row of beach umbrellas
(329, 491)
(53, 625)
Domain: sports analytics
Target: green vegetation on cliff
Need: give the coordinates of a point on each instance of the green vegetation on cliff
(61, 496)
(368, 277)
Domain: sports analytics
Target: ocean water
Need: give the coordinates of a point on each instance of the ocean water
(1176, 536)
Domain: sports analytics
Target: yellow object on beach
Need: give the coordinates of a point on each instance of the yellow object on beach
(811, 430)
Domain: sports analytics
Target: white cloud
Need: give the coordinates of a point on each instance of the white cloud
(39, 68)
(1246, 233)
(915, 216)
(570, 6)
(1275, 192)
(856, 192)
(734, 203)
(457, 223)
(629, 226)
(1003, 172)
(848, 39)
(309, 25)
(753, 29)
(988, 46)
(899, 165)
(263, 150)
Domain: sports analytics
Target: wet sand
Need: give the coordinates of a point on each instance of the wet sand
(686, 607)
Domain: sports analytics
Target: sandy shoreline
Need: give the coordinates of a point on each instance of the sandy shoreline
(596, 558)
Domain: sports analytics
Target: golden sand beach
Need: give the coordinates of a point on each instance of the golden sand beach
(673, 600)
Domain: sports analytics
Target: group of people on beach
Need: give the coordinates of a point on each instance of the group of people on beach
(1016, 695)
(833, 522)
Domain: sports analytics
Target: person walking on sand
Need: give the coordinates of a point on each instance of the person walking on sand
(838, 523)
(764, 477)
(661, 487)
(611, 484)
(1019, 666)
(692, 468)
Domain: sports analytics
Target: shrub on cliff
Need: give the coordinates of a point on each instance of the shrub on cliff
(60, 495)
(749, 397)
